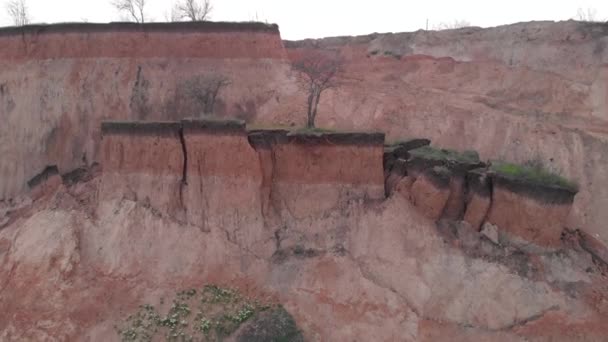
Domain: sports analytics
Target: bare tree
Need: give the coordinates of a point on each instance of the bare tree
(316, 73)
(203, 91)
(589, 14)
(193, 10)
(456, 24)
(18, 11)
(133, 8)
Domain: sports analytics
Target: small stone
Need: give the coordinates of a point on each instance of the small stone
(490, 231)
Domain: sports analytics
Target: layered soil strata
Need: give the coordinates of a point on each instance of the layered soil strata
(217, 171)
(535, 213)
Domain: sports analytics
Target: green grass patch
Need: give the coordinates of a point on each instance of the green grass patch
(208, 314)
(255, 127)
(219, 119)
(428, 152)
(299, 130)
(312, 130)
(533, 173)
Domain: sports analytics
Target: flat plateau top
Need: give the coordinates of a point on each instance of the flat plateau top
(177, 27)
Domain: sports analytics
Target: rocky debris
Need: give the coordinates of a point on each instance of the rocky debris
(490, 231)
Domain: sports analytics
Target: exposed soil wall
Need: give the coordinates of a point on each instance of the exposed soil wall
(58, 82)
(212, 173)
(542, 97)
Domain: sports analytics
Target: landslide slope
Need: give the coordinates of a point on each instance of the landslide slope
(527, 91)
(75, 264)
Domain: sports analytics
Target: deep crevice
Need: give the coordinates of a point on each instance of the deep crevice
(184, 180)
(182, 140)
(490, 187)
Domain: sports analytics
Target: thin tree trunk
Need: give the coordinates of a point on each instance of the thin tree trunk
(315, 106)
(311, 120)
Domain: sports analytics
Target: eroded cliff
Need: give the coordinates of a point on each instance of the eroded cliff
(359, 241)
(321, 238)
(518, 92)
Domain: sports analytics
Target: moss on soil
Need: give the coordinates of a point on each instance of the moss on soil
(428, 152)
(534, 174)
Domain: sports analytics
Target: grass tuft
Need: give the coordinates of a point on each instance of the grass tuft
(209, 314)
(428, 152)
(533, 173)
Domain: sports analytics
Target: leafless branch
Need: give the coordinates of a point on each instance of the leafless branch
(18, 11)
(316, 73)
(456, 24)
(193, 10)
(203, 91)
(133, 8)
(589, 14)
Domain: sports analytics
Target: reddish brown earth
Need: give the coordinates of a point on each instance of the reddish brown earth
(74, 265)
(542, 97)
(430, 196)
(536, 220)
(319, 238)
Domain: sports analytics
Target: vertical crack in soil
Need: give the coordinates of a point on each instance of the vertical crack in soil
(184, 181)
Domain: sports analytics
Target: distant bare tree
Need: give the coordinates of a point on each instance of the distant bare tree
(315, 74)
(456, 24)
(133, 8)
(173, 16)
(18, 11)
(192, 10)
(589, 14)
(203, 90)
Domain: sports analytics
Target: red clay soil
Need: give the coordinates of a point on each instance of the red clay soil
(528, 218)
(428, 197)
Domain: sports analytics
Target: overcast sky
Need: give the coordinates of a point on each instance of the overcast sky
(320, 18)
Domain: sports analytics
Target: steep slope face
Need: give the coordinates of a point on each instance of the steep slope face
(519, 92)
(76, 261)
(58, 82)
